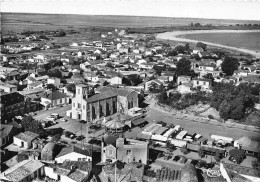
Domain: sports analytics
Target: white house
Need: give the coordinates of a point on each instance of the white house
(204, 83)
(73, 153)
(55, 81)
(116, 80)
(24, 140)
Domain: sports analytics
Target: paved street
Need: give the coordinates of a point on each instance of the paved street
(205, 129)
(42, 115)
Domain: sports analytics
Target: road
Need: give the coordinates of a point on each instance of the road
(42, 115)
(202, 128)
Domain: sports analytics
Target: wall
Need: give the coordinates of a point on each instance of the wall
(72, 156)
(65, 179)
(50, 173)
(18, 142)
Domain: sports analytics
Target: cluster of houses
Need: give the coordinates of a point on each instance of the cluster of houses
(103, 83)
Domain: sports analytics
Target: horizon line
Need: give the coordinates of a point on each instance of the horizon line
(128, 15)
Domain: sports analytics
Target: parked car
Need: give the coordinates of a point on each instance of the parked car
(200, 164)
(49, 118)
(63, 120)
(79, 138)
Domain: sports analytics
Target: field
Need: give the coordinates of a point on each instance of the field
(24, 21)
(250, 40)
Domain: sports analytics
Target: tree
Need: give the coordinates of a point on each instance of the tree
(109, 64)
(21, 157)
(183, 67)
(238, 155)
(229, 65)
(71, 88)
(217, 156)
(201, 45)
(184, 150)
(172, 53)
(201, 152)
(29, 124)
(54, 73)
(180, 49)
(134, 79)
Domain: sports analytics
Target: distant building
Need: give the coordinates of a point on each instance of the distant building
(183, 79)
(8, 88)
(55, 81)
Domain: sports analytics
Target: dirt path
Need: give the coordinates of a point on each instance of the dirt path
(175, 36)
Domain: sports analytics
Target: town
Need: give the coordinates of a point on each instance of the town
(121, 107)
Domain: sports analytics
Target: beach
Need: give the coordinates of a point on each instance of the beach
(176, 36)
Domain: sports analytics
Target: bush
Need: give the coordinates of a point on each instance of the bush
(210, 117)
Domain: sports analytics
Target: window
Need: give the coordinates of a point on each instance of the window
(73, 104)
(78, 91)
(204, 83)
(84, 107)
(197, 82)
(60, 101)
(79, 105)
(79, 159)
(104, 151)
(128, 152)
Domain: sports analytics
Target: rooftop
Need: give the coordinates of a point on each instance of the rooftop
(27, 136)
(101, 96)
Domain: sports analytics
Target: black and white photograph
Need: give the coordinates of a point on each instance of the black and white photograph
(130, 90)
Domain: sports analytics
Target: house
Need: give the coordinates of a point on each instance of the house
(30, 80)
(119, 171)
(183, 79)
(69, 171)
(152, 84)
(55, 81)
(116, 80)
(8, 88)
(146, 65)
(27, 170)
(7, 133)
(73, 153)
(24, 140)
(35, 85)
(204, 83)
(125, 150)
(14, 104)
(54, 98)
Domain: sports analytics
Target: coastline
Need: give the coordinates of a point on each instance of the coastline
(177, 36)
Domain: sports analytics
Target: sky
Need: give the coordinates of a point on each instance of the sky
(211, 9)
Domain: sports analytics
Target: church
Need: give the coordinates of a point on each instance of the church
(106, 103)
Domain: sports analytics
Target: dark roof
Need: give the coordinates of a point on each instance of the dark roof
(5, 130)
(101, 96)
(69, 149)
(54, 95)
(12, 98)
(110, 139)
(138, 121)
(189, 173)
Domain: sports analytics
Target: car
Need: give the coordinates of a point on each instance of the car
(200, 164)
(79, 138)
(63, 120)
(49, 118)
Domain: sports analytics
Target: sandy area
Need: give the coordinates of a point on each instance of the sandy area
(176, 37)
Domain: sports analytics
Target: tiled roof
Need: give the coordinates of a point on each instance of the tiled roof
(54, 95)
(27, 136)
(69, 149)
(119, 91)
(22, 170)
(75, 170)
(101, 96)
